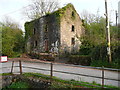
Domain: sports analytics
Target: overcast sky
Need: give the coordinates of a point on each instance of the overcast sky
(14, 8)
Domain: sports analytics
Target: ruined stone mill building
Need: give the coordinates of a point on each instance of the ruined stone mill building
(58, 32)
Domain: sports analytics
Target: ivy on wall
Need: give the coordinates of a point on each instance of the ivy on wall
(58, 14)
(29, 26)
(29, 29)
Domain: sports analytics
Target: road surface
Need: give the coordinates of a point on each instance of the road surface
(65, 68)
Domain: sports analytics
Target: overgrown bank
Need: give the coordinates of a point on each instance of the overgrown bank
(86, 60)
(37, 80)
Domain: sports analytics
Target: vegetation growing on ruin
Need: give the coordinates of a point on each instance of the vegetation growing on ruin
(60, 12)
(73, 15)
(28, 29)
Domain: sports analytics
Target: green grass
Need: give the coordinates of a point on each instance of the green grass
(38, 75)
(4, 74)
(16, 85)
(56, 82)
(60, 83)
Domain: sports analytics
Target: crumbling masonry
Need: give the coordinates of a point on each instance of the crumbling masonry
(57, 32)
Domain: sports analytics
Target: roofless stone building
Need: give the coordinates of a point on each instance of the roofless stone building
(57, 32)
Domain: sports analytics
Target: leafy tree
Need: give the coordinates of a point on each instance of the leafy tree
(12, 39)
(94, 41)
(115, 42)
(0, 38)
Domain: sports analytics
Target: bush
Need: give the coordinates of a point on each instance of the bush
(80, 59)
(42, 57)
(12, 40)
(105, 63)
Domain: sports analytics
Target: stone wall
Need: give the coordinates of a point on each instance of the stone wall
(33, 82)
(69, 20)
(6, 80)
(45, 31)
(53, 34)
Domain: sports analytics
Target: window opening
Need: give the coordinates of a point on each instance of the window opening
(73, 28)
(73, 41)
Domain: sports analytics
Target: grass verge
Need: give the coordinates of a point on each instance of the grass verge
(60, 83)
(16, 85)
(4, 74)
(56, 82)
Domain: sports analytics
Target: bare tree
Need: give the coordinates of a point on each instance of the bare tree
(9, 22)
(88, 17)
(40, 8)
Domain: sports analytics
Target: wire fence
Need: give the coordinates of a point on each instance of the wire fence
(51, 70)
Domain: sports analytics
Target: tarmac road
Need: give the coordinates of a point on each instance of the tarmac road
(65, 68)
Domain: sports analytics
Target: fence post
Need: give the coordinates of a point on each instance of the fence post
(20, 65)
(12, 67)
(51, 72)
(102, 76)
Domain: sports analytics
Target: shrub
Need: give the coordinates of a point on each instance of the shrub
(80, 59)
(105, 63)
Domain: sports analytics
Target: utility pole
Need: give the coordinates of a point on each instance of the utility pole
(116, 17)
(108, 33)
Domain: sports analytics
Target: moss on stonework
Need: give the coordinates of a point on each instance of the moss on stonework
(60, 12)
(29, 26)
(73, 15)
(29, 29)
